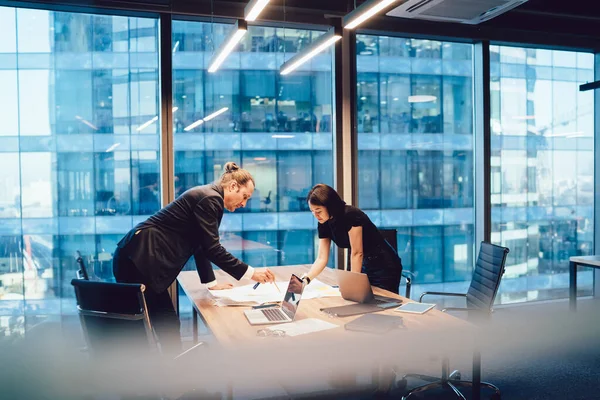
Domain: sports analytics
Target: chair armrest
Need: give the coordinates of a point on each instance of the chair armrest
(407, 274)
(441, 294)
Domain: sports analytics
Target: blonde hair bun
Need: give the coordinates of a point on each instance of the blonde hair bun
(230, 167)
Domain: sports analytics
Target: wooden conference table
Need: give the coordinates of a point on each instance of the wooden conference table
(230, 327)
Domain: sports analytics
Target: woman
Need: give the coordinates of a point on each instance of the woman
(349, 227)
(156, 250)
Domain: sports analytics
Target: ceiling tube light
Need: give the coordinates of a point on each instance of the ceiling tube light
(216, 113)
(254, 8)
(147, 124)
(193, 125)
(86, 122)
(111, 148)
(421, 98)
(323, 42)
(205, 119)
(365, 11)
(239, 30)
(282, 136)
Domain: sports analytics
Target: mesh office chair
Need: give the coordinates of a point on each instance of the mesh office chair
(479, 300)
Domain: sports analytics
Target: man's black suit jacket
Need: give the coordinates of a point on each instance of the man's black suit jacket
(160, 246)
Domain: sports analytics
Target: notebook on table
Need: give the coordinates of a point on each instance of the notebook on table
(375, 323)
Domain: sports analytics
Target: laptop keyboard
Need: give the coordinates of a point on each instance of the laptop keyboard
(274, 314)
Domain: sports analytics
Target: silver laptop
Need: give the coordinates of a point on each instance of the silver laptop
(356, 287)
(284, 313)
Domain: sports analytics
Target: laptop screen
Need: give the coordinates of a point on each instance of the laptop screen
(292, 296)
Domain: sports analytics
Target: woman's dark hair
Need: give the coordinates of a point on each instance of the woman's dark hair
(325, 196)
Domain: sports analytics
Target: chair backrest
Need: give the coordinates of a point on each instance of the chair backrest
(486, 276)
(82, 272)
(114, 317)
(391, 236)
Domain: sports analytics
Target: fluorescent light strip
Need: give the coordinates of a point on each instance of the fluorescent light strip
(282, 136)
(88, 123)
(111, 148)
(216, 113)
(205, 119)
(254, 8)
(239, 30)
(193, 125)
(365, 11)
(421, 98)
(147, 124)
(176, 46)
(318, 46)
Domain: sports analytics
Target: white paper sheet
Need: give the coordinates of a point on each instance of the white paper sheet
(246, 295)
(303, 326)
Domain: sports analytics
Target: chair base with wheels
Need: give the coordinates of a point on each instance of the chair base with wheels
(450, 382)
(480, 297)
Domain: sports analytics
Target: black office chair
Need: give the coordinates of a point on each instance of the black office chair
(115, 320)
(114, 316)
(391, 236)
(479, 302)
(82, 272)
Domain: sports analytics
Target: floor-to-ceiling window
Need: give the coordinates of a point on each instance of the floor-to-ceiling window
(415, 151)
(278, 127)
(542, 168)
(79, 144)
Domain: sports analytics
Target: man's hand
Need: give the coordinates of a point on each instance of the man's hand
(263, 275)
(221, 286)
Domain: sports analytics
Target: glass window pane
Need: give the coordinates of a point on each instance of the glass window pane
(415, 151)
(75, 169)
(277, 127)
(542, 171)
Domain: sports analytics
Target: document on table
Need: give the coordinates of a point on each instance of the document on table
(267, 292)
(303, 326)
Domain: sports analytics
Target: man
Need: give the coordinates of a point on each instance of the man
(156, 250)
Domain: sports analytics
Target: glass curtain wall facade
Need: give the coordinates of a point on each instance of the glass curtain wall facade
(80, 147)
(415, 151)
(78, 165)
(542, 168)
(277, 127)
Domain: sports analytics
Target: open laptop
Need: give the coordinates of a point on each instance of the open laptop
(356, 287)
(284, 313)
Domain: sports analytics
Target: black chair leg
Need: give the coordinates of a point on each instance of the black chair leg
(432, 386)
(423, 388)
(496, 396)
(425, 378)
(456, 391)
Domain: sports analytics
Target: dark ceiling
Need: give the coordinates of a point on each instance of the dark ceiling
(566, 22)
